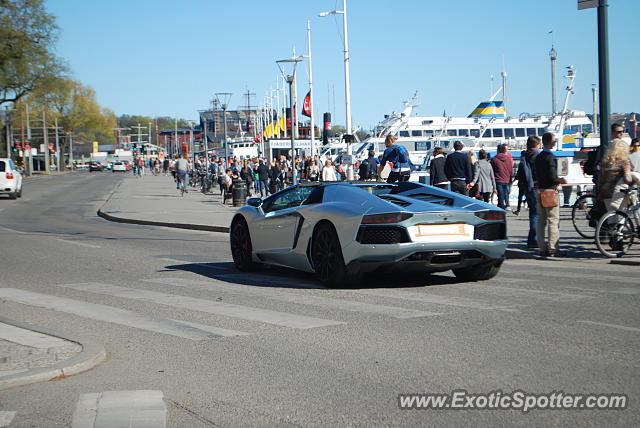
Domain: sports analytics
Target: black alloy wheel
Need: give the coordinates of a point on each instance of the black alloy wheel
(326, 256)
(241, 247)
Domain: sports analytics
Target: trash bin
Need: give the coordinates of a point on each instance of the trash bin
(239, 193)
(272, 187)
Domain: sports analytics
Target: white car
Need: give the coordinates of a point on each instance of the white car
(10, 179)
(118, 166)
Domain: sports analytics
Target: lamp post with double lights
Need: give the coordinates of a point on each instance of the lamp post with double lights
(290, 80)
(223, 98)
(347, 96)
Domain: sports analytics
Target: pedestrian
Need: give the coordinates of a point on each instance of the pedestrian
(634, 156)
(486, 180)
(328, 172)
(545, 171)
(437, 176)
(457, 167)
(314, 172)
(182, 168)
(369, 167)
(263, 178)
(398, 156)
(472, 187)
(165, 166)
(247, 175)
(526, 185)
(615, 175)
(503, 171)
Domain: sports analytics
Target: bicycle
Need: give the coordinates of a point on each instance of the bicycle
(617, 229)
(583, 216)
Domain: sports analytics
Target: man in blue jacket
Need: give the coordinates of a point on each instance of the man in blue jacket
(526, 182)
(457, 166)
(398, 156)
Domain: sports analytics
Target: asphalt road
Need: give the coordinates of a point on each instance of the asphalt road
(274, 348)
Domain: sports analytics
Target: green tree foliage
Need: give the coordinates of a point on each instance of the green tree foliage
(27, 38)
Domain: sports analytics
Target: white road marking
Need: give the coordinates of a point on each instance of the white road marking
(527, 292)
(30, 338)
(134, 409)
(542, 275)
(113, 315)
(6, 418)
(82, 244)
(14, 231)
(5, 373)
(208, 306)
(346, 305)
(439, 300)
(604, 324)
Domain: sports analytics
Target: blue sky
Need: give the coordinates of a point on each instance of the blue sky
(169, 58)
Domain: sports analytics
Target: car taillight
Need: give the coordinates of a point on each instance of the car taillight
(385, 218)
(491, 215)
(9, 176)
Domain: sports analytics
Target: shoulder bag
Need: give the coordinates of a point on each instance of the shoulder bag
(549, 198)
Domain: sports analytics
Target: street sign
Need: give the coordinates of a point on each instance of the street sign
(587, 4)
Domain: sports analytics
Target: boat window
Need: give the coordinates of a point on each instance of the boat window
(423, 145)
(520, 132)
(575, 128)
(531, 131)
(463, 132)
(541, 131)
(416, 133)
(427, 122)
(587, 128)
(452, 132)
(487, 133)
(508, 133)
(497, 133)
(404, 133)
(475, 133)
(428, 132)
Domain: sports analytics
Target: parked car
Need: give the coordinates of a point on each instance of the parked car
(10, 179)
(118, 166)
(341, 230)
(95, 166)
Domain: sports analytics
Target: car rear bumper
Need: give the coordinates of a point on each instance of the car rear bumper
(426, 257)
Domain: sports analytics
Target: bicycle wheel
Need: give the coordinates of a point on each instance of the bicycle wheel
(614, 234)
(580, 215)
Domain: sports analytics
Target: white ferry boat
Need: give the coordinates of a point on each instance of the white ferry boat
(486, 127)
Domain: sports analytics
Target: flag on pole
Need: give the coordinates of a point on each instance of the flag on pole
(306, 106)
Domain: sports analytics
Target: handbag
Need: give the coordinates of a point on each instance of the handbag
(549, 198)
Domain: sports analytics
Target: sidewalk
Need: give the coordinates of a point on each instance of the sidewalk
(154, 200)
(30, 354)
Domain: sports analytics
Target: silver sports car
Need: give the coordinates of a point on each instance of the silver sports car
(342, 230)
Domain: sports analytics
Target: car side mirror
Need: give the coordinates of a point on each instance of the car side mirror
(254, 202)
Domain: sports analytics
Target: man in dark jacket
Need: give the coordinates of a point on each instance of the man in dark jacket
(526, 182)
(369, 167)
(263, 177)
(503, 170)
(437, 176)
(545, 171)
(457, 167)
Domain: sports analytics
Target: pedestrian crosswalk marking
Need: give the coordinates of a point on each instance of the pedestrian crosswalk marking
(543, 275)
(527, 292)
(115, 315)
(604, 324)
(6, 418)
(132, 409)
(304, 299)
(213, 307)
(30, 338)
(438, 299)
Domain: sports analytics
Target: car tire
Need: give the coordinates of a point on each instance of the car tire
(326, 256)
(241, 248)
(19, 193)
(480, 272)
(13, 195)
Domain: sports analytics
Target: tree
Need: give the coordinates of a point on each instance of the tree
(28, 35)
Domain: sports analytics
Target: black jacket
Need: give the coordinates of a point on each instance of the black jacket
(436, 171)
(263, 172)
(458, 165)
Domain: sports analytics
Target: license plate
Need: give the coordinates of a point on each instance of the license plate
(451, 229)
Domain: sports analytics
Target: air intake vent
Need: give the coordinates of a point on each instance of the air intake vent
(382, 235)
(400, 202)
(490, 232)
(434, 199)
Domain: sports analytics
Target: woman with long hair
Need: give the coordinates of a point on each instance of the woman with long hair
(328, 172)
(615, 175)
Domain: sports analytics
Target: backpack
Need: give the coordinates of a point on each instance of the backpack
(364, 170)
(590, 166)
(403, 155)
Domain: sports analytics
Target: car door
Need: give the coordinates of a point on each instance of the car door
(276, 229)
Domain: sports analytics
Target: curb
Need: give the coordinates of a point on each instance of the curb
(222, 229)
(91, 355)
(627, 262)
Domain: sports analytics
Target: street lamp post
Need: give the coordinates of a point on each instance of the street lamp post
(224, 98)
(291, 79)
(347, 96)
